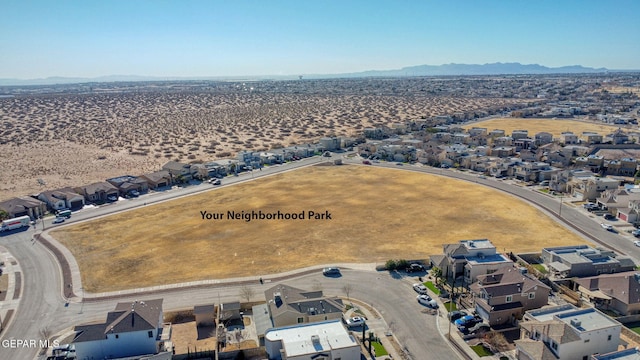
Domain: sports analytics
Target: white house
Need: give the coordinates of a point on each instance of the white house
(327, 340)
(566, 332)
(132, 329)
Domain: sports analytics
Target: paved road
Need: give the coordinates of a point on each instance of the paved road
(42, 305)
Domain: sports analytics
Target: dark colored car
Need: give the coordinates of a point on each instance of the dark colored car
(415, 268)
(609, 217)
(366, 162)
(456, 314)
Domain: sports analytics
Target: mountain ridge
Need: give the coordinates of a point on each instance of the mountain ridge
(451, 69)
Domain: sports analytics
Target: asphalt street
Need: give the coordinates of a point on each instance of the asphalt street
(43, 311)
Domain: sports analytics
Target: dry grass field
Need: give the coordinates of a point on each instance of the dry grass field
(377, 214)
(553, 126)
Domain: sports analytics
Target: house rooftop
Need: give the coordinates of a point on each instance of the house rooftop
(311, 338)
(586, 319)
(485, 259)
(626, 354)
(477, 244)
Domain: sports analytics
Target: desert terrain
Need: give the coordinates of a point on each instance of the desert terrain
(552, 126)
(376, 215)
(72, 139)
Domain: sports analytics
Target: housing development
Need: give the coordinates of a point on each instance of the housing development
(360, 238)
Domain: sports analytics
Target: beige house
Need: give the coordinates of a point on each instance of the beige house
(503, 296)
(22, 206)
(291, 306)
(618, 292)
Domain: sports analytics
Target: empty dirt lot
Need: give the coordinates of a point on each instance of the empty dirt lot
(376, 214)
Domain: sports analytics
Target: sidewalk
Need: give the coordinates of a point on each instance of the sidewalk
(10, 299)
(375, 324)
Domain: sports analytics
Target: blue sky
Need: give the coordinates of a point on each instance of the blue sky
(235, 38)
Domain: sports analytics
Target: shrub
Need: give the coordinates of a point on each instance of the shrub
(391, 265)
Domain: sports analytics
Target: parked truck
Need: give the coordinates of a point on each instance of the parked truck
(15, 223)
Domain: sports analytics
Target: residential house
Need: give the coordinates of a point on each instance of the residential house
(617, 137)
(128, 184)
(503, 296)
(456, 256)
(616, 200)
(289, 306)
(477, 131)
(132, 329)
(523, 144)
(330, 143)
(618, 292)
(503, 151)
(590, 188)
(178, 170)
(543, 138)
(591, 138)
(502, 141)
(374, 133)
(24, 205)
(519, 134)
(496, 133)
(328, 340)
(583, 261)
(62, 199)
(158, 179)
(622, 167)
(569, 138)
(98, 192)
(566, 333)
(594, 163)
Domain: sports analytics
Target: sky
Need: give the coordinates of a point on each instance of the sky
(194, 38)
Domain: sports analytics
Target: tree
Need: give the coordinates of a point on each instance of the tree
(437, 274)
(496, 341)
(390, 265)
(246, 293)
(3, 215)
(347, 290)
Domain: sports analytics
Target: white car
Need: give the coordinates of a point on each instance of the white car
(420, 288)
(637, 243)
(355, 321)
(427, 301)
(606, 226)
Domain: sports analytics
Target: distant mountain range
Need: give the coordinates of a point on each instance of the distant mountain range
(420, 70)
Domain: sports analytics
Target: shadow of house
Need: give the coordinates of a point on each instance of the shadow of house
(99, 192)
(22, 206)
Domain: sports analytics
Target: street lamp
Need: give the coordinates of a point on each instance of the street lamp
(560, 211)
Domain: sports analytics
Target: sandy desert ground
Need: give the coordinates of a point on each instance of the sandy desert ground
(377, 214)
(76, 139)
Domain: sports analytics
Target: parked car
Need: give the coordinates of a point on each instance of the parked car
(456, 314)
(215, 181)
(609, 217)
(112, 198)
(415, 267)
(478, 328)
(331, 271)
(355, 321)
(606, 226)
(637, 243)
(590, 206)
(467, 321)
(366, 162)
(636, 233)
(427, 301)
(58, 220)
(420, 288)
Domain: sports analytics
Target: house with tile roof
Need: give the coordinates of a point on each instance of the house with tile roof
(566, 332)
(618, 292)
(469, 258)
(98, 192)
(61, 199)
(503, 296)
(289, 306)
(583, 261)
(132, 329)
(24, 205)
